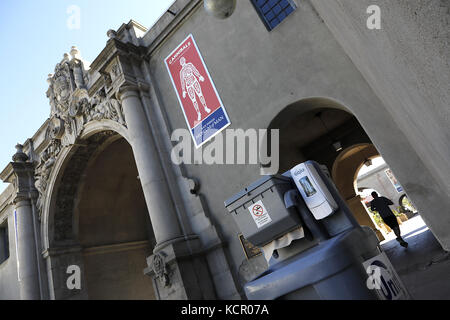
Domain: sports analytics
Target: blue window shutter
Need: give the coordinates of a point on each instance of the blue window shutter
(272, 12)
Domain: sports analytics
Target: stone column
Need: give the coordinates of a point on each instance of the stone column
(24, 227)
(156, 192)
(177, 266)
(26, 250)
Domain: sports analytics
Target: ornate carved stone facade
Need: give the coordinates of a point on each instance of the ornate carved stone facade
(71, 109)
(43, 170)
(71, 105)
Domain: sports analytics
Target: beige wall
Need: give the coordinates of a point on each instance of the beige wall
(114, 226)
(345, 170)
(117, 273)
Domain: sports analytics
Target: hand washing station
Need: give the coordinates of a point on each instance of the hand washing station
(314, 247)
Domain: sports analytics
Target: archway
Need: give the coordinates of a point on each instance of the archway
(344, 173)
(323, 130)
(113, 226)
(378, 177)
(98, 221)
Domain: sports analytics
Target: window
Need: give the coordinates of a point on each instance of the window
(272, 12)
(4, 243)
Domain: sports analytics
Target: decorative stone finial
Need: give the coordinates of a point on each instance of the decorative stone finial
(49, 78)
(75, 53)
(19, 156)
(111, 34)
(66, 57)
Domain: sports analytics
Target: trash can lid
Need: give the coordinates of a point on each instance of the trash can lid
(255, 185)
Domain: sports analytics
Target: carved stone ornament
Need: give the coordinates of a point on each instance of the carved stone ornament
(77, 108)
(60, 87)
(102, 108)
(43, 170)
(115, 71)
(71, 110)
(160, 269)
(71, 106)
(55, 128)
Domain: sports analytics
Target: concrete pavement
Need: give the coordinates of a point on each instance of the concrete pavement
(424, 266)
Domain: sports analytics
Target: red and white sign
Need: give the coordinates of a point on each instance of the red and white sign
(198, 97)
(259, 214)
(257, 210)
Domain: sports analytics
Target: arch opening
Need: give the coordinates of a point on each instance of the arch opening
(99, 208)
(322, 130)
(379, 177)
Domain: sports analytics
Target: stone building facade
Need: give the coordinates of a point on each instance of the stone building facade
(95, 187)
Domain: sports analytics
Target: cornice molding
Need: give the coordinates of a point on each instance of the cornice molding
(169, 23)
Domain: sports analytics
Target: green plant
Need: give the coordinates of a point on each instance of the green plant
(397, 212)
(407, 205)
(376, 217)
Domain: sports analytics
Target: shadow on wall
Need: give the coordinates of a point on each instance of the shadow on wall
(322, 130)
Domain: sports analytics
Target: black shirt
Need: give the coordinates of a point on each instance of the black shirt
(381, 205)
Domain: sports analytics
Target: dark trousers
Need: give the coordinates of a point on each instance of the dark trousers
(391, 221)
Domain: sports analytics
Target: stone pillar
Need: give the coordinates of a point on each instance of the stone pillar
(26, 250)
(177, 265)
(27, 262)
(156, 192)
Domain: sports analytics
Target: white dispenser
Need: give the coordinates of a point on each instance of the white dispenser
(313, 190)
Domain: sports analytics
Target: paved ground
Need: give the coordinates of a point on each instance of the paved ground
(424, 266)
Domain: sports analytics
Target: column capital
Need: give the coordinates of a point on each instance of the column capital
(127, 90)
(24, 197)
(21, 200)
(23, 171)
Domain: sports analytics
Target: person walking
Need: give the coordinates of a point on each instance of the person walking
(381, 205)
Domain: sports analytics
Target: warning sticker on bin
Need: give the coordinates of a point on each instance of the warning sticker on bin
(259, 214)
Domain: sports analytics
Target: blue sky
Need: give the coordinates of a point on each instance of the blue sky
(34, 35)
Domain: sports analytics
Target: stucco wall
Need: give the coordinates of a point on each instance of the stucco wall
(257, 73)
(393, 80)
(118, 275)
(9, 285)
(406, 64)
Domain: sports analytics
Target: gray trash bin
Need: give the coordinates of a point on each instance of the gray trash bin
(331, 270)
(260, 212)
(332, 261)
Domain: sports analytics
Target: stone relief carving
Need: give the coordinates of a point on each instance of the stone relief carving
(43, 170)
(102, 108)
(59, 87)
(115, 71)
(71, 108)
(160, 269)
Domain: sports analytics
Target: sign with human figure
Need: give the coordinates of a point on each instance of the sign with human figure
(189, 77)
(201, 105)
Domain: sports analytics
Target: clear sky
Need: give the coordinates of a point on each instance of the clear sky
(34, 35)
